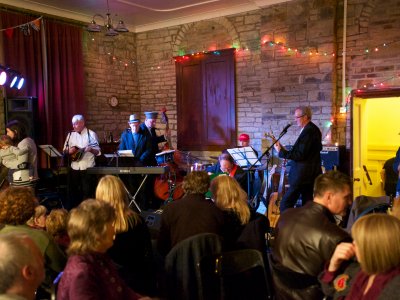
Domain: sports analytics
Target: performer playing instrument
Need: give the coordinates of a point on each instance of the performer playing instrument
(305, 158)
(227, 165)
(148, 128)
(81, 146)
(135, 139)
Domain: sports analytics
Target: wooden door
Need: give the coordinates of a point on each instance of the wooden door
(375, 137)
(206, 102)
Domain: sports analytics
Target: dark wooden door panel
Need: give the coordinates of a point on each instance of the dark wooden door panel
(190, 110)
(217, 101)
(206, 102)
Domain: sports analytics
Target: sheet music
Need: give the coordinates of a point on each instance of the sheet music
(50, 150)
(244, 156)
(125, 153)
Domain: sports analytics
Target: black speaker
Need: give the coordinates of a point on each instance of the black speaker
(25, 110)
(153, 221)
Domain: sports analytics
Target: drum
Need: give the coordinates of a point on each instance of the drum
(165, 157)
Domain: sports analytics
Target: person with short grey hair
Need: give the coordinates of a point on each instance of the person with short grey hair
(81, 147)
(21, 267)
(305, 160)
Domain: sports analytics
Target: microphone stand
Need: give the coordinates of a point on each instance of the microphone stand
(66, 153)
(266, 153)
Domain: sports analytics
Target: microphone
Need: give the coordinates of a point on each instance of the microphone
(286, 127)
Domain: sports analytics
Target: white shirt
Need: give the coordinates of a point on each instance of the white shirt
(82, 140)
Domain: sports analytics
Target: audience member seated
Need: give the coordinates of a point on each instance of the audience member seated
(56, 226)
(17, 207)
(38, 220)
(191, 215)
(21, 267)
(90, 273)
(232, 200)
(132, 249)
(376, 272)
(307, 236)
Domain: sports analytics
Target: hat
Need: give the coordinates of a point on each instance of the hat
(151, 114)
(133, 119)
(244, 137)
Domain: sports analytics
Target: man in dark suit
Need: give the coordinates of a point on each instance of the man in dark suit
(305, 158)
(149, 129)
(136, 140)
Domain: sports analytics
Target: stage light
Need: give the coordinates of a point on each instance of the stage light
(20, 83)
(3, 77)
(14, 80)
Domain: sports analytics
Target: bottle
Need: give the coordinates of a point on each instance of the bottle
(110, 137)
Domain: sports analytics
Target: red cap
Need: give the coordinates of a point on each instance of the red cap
(244, 137)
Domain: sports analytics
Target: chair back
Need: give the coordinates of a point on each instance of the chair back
(239, 274)
(181, 263)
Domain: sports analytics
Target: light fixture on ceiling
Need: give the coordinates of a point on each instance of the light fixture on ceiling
(110, 30)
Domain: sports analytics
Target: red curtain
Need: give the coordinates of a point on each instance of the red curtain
(65, 73)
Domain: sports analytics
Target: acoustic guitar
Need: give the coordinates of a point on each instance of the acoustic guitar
(275, 199)
(262, 195)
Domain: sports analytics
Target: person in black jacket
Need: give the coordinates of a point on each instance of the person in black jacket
(136, 140)
(305, 158)
(149, 129)
(306, 237)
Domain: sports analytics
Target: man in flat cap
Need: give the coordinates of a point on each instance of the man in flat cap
(149, 128)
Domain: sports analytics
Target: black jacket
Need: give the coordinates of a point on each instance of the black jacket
(305, 156)
(305, 239)
(142, 151)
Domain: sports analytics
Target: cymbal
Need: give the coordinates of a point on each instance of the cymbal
(214, 157)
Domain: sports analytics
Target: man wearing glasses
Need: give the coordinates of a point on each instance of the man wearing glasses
(305, 158)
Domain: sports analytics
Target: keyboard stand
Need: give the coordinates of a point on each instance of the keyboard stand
(133, 198)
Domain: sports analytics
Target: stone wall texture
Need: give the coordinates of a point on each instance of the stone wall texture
(271, 79)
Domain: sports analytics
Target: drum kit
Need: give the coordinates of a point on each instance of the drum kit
(168, 186)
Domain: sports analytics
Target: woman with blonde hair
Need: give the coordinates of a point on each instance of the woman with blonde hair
(132, 250)
(376, 273)
(38, 220)
(377, 249)
(230, 197)
(246, 229)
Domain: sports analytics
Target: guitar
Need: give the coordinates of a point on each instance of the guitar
(78, 154)
(275, 199)
(267, 183)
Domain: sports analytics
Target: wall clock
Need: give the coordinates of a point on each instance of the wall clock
(113, 101)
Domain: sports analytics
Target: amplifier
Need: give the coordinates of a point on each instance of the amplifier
(330, 157)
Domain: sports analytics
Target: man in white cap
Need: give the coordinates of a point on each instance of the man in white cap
(136, 140)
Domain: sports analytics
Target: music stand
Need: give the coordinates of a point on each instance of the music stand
(246, 158)
(51, 152)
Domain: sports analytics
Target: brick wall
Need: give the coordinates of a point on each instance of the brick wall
(270, 81)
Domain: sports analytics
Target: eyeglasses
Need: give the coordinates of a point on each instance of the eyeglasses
(298, 117)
